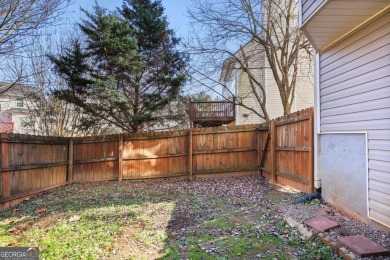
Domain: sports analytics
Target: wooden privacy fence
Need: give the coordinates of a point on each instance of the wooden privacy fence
(288, 155)
(281, 150)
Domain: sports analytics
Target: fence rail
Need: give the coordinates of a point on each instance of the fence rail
(281, 150)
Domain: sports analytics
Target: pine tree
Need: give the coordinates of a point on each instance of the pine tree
(127, 69)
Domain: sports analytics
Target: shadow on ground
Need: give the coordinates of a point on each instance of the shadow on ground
(227, 218)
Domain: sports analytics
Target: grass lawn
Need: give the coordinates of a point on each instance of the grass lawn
(231, 218)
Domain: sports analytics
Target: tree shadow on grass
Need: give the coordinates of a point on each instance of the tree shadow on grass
(164, 219)
(224, 220)
(156, 219)
(84, 219)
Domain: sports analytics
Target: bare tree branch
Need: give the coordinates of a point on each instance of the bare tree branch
(273, 42)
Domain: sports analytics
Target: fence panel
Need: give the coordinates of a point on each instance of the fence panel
(282, 150)
(293, 150)
(225, 150)
(95, 159)
(32, 164)
(155, 155)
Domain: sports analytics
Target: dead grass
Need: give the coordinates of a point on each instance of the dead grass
(230, 218)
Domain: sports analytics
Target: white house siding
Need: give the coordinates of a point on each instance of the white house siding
(355, 96)
(309, 7)
(230, 86)
(304, 92)
(274, 102)
(244, 91)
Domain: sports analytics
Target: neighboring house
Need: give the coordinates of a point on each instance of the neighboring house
(352, 118)
(6, 124)
(237, 84)
(14, 109)
(26, 110)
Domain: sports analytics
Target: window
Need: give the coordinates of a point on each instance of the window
(19, 102)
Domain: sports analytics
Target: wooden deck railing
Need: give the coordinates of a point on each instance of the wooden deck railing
(212, 111)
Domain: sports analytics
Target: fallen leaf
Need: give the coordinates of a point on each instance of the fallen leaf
(13, 243)
(41, 210)
(14, 210)
(74, 218)
(12, 230)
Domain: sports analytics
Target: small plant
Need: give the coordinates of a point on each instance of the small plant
(315, 202)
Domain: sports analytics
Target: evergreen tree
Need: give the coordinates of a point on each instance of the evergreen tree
(127, 69)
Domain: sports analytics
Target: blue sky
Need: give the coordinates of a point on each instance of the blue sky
(174, 9)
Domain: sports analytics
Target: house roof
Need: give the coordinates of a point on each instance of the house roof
(229, 64)
(18, 90)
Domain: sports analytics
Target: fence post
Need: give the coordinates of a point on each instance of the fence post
(257, 133)
(273, 151)
(190, 153)
(190, 111)
(311, 151)
(120, 158)
(5, 163)
(70, 161)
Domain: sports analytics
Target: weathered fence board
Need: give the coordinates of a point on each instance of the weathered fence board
(31, 164)
(1, 185)
(291, 159)
(281, 150)
(266, 166)
(155, 157)
(26, 181)
(95, 161)
(224, 151)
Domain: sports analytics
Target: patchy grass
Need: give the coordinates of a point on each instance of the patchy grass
(158, 219)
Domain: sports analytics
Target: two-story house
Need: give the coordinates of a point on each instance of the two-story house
(15, 107)
(236, 84)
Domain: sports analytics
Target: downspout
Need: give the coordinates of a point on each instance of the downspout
(317, 125)
(317, 131)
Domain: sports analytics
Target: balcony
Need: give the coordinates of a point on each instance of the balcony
(211, 113)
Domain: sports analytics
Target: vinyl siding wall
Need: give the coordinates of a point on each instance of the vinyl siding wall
(355, 96)
(304, 92)
(274, 102)
(244, 91)
(309, 7)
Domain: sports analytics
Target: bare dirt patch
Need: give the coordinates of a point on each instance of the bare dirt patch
(227, 218)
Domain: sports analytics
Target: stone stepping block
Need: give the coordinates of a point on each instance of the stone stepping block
(363, 246)
(321, 224)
